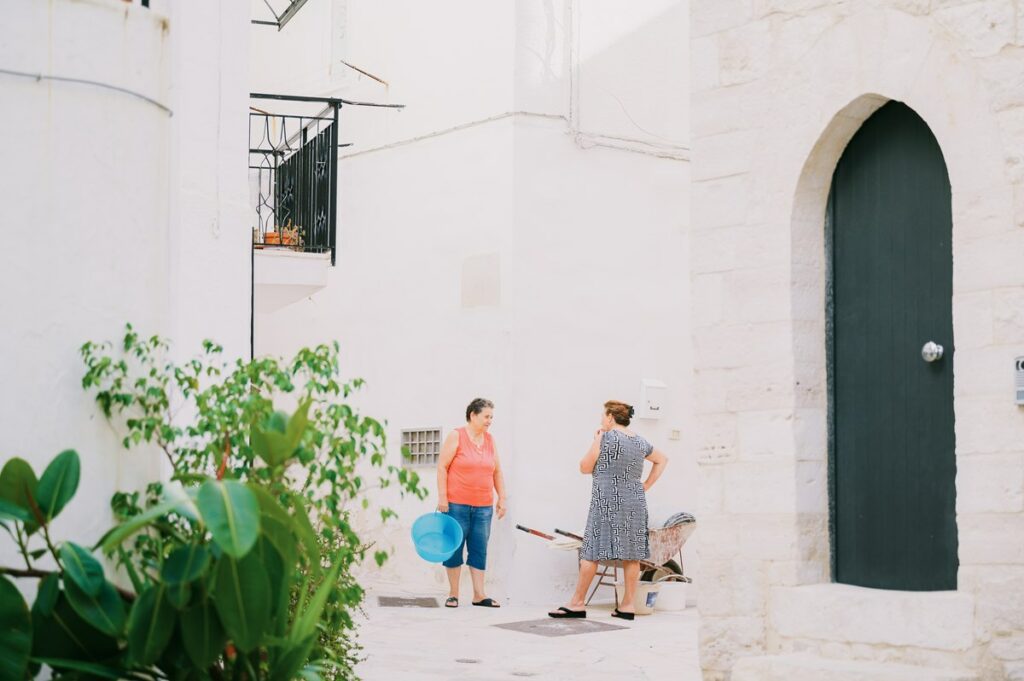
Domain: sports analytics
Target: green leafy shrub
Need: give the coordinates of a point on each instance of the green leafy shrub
(215, 606)
(241, 563)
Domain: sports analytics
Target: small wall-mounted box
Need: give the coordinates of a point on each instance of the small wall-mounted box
(1018, 376)
(653, 399)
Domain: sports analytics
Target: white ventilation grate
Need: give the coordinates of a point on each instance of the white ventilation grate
(423, 445)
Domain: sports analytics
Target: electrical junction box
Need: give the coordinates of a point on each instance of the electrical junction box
(653, 399)
(1018, 379)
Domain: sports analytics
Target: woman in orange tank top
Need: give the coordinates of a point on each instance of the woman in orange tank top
(468, 474)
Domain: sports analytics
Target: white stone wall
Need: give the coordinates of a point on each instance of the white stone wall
(210, 233)
(778, 88)
(538, 162)
(115, 211)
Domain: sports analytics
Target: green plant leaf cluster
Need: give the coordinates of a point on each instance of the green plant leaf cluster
(219, 603)
(240, 565)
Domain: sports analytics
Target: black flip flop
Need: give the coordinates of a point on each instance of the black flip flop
(487, 603)
(452, 602)
(623, 615)
(567, 613)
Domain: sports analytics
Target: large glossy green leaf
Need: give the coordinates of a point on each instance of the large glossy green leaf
(276, 525)
(242, 597)
(82, 568)
(232, 513)
(11, 511)
(276, 440)
(185, 564)
(298, 422)
(63, 634)
(289, 659)
(186, 496)
(175, 657)
(17, 484)
(309, 614)
(307, 535)
(269, 445)
(17, 479)
(46, 596)
(179, 595)
(114, 537)
(202, 633)
(276, 573)
(58, 483)
(150, 626)
(15, 632)
(105, 610)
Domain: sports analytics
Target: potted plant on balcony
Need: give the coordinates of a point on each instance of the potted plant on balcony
(291, 235)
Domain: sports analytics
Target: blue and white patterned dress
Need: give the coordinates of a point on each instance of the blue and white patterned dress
(617, 523)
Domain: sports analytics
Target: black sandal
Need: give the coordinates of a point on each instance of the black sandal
(623, 615)
(568, 613)
(487, 603)
(452, 602)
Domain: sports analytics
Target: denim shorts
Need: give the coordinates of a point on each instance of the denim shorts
(476, 530)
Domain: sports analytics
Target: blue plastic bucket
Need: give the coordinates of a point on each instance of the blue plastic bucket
(436, 537)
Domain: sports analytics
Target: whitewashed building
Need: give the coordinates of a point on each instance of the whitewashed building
(125, 201)
(809, 319)
(518, 231)
(779, 209)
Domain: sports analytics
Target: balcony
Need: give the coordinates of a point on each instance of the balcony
(293, 184)
(293, 173)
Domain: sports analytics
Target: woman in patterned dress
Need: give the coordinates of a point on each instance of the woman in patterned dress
(617, 523)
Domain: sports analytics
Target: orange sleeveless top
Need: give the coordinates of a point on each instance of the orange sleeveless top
(471, 472)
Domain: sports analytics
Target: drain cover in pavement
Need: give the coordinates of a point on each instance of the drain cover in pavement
(558, 627)
(399, 602)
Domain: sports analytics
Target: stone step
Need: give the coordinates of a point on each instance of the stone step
(799, 667)
(931, 620)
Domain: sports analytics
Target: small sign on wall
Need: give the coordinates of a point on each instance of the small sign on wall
(1018, 381)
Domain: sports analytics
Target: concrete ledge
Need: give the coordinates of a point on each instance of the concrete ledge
(283, 276)
(942, 620)
(809, 668)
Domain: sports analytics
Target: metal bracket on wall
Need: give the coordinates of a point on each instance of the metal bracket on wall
(284, 17)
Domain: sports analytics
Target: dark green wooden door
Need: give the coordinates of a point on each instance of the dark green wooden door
(892, 454)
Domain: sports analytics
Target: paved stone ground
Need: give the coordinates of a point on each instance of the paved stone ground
(437, 644)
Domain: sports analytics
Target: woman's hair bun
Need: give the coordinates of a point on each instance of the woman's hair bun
(620, 411)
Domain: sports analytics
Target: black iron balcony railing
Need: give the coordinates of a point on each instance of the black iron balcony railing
(293, 172)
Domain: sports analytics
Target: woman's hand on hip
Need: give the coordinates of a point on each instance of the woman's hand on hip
(501, 509)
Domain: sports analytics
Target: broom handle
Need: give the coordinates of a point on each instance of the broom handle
(568, 534)
(536, 532)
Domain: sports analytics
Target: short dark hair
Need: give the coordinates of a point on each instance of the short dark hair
(477, 406)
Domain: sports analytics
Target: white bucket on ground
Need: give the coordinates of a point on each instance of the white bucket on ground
(646, 596)
(672, 596)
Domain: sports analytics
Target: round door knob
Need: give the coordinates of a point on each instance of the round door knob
(931, 352)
